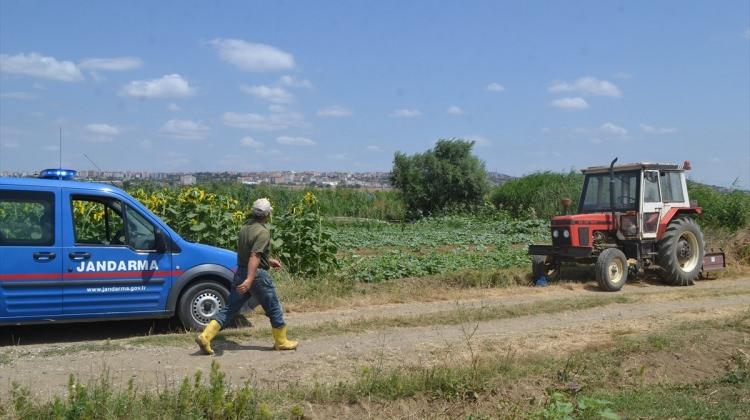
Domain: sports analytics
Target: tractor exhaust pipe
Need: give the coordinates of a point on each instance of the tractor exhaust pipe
(612, 192)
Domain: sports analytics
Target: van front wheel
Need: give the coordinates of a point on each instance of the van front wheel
(200, 303)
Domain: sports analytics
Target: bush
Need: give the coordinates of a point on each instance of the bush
(538, 194)
(300, 240)
(728, 210)
(446, 176)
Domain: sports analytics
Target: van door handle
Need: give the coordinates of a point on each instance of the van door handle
(78, 256)
(44, 256)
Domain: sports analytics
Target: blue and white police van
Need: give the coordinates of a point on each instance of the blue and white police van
(82, 251)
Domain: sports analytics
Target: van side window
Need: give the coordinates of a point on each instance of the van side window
(27, 218)
(141, 233)
(98, 221)
(671, 187)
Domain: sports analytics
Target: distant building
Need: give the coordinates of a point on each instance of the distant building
(187, 180)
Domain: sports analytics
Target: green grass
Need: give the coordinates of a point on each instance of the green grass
(482, 379)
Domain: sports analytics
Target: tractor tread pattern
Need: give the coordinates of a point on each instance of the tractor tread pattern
(601, 269)
(667, 258)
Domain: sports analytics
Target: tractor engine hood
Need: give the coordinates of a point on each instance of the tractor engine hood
(577, 229)
(601, 221)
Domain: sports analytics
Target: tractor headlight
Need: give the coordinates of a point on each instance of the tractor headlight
(566, 233)
(555, 234)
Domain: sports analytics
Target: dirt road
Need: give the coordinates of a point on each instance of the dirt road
(338, 344)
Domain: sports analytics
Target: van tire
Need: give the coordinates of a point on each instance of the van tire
(200, 303)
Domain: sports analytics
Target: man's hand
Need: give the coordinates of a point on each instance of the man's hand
(245, 286)
(274, 263)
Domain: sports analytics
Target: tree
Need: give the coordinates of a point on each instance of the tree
(443, 177)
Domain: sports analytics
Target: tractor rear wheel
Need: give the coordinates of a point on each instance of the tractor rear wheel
(611, 269)
(544, 266)
(681, 251)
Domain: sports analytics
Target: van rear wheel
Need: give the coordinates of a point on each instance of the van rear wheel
(200, 303)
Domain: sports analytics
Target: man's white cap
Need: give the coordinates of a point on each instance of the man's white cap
(262, 207)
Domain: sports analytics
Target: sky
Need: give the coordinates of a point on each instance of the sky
(342, 85)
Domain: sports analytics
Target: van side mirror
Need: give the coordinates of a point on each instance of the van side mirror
(161, 241)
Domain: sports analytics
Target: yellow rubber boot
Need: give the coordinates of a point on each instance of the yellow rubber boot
(204, 339)
(280, 342)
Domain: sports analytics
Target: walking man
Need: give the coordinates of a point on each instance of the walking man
(252, 279)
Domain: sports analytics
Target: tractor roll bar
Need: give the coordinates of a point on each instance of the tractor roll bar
(612, 192)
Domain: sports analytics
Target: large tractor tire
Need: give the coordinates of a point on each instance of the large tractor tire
(544, 266)
(611, 270)
(681, 252)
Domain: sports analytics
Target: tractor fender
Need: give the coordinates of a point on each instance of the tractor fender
(219, 272)
(671, 214)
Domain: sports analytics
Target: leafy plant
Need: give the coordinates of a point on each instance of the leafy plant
(301, 241)
(560, 406)
(196, 215)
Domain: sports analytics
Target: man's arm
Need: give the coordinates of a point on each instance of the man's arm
(252, 266)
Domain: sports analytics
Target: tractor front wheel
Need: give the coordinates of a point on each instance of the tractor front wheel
(611, 269)
(681, 251)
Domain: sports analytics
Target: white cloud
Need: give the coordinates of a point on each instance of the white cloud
(657, 130)
(373, 148)
(102, 130)
(334, 111)
(294, 141)
(454, 110)
(495, 87)
(173, 107)
(570, 103)
(292, 81)
(185, 129)
(267, 93)
(270, 122)
(251, 142)
(168, 86)
(611, 129)
(23, 96)
(113, 64)
(254, 57)
(406, 113)
(478, 140)
(588, 86)
(10, 144)
(37, 65)
(338, 156)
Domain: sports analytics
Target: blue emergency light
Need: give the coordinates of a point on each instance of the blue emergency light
(63, 174)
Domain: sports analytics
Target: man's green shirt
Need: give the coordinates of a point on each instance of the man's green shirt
(254, 237)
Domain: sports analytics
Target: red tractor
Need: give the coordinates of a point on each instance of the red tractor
(629, 216)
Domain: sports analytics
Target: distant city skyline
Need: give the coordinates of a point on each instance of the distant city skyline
(323, 86)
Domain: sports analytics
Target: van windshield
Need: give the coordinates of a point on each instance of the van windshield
(595, 197)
